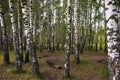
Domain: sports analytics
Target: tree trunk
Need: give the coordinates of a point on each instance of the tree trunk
(34, 61)
(76, 32)
(15, 36)
(49, 25)
(20, 26)
(58, 27)
(41, 24)
(25, 13)
(112, 39)
(34, 32)
(95, 31)
(35, 22)
(53, 23)
(101, 39)
(87, 35)
(91, 36)
(11, 40)
(68, 39)
(41, 38)
(4, 35)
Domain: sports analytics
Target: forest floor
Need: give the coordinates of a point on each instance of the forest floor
(93, 66)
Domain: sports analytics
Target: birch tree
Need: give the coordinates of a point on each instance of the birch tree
(25, 16)
(87, 26)
(68, 39)
(49, 23)
(15, 36)
(28, 25)
(32, 52)
(35, 22)
(52, 23)
(4, 35)
(58, 27)
(112, 39)
(20, 26)
(76, 32)
(42, 15)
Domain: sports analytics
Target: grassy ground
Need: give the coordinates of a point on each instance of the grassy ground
(90, 67)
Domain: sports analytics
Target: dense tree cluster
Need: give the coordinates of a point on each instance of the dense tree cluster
(72, 25)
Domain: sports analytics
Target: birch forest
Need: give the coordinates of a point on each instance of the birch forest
(59, 39)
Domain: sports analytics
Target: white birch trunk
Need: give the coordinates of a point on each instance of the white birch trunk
(76, 31)
(68, 39)
(112, 39)
(15, 36)
(32, 52)
(25, 12)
